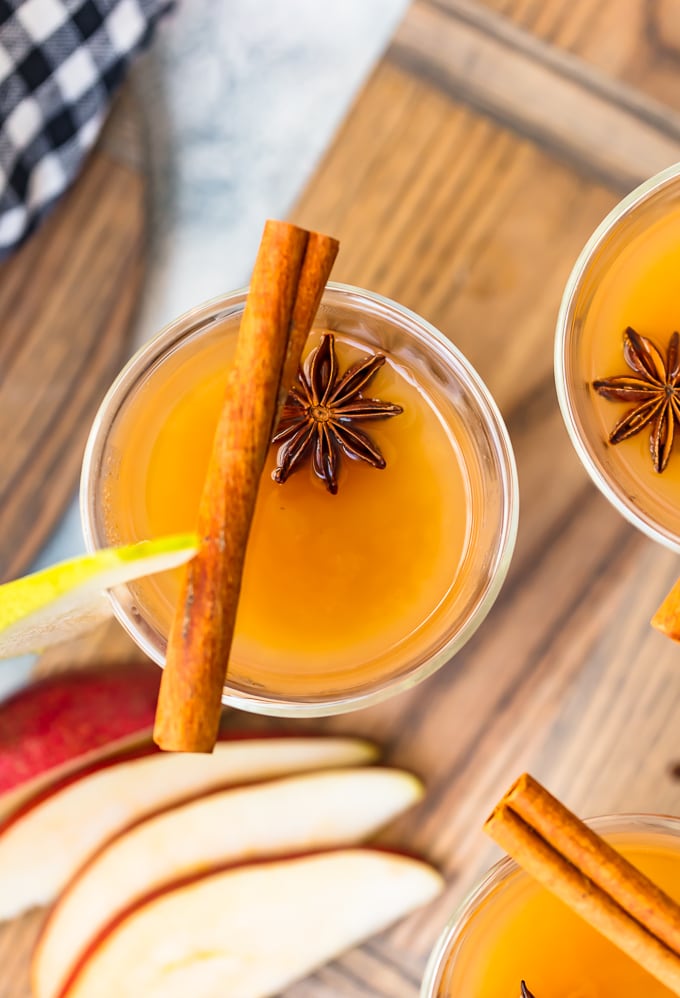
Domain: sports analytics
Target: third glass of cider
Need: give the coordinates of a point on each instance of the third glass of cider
(512, 930)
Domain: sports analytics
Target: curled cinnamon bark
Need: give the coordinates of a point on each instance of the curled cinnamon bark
(290, 273)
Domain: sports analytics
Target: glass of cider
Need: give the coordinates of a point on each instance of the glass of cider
(511, 930)
(346, 597)
(616, 368)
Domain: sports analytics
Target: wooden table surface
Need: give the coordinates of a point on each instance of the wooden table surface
(490, 140)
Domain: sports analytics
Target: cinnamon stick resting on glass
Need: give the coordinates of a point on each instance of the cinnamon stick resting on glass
(590, 876)
(290, 273)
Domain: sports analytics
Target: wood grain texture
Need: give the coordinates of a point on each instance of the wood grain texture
(600, 125)
(636, 41)
(487, 145)
(66, 301)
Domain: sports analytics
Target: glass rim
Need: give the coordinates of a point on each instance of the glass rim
(487, 409)
(504, 867)
(646, 524)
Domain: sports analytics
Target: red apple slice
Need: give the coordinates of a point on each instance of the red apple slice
(44, 843)
(291, 815)
(56, 722)
(250, 931)
(20, 796)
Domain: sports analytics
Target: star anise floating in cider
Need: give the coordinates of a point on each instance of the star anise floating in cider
(654, 388)
(525, 993)
(321, 414)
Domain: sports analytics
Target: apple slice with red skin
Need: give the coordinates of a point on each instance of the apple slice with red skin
(307, 812)
(54, 724)
(249, 931)
(18, 797)
(47, 839)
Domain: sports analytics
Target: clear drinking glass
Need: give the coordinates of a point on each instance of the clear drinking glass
(458, 396)
(462, 937)
(647, 500)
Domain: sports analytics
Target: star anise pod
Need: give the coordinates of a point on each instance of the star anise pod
(654, 388)
(525, 993)
(321, 413)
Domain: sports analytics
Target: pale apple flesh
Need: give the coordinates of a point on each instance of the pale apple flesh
(250, 931)
(43, 844)
(291, 815)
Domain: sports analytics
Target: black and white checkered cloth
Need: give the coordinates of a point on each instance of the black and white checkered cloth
(60, 63)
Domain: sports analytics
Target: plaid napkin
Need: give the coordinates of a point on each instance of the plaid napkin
(60, 63)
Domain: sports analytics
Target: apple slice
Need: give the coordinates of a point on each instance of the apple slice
(64, 600)
(44, 843)
(56, 721)
(291, 815)
(38, 786)
(250, 931)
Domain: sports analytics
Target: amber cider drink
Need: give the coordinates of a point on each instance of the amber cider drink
(626, 278)
(342, 593)
(513, 930)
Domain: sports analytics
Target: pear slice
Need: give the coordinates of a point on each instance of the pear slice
(47, 839)
(291, 815)
(64, 600)
(249, 931)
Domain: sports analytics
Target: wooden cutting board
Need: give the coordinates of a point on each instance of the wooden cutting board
(490, 140)
(66, 300)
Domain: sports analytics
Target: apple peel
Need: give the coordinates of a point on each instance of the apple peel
(251, 930)
(19, 797)
(62, 719)
(303, 813)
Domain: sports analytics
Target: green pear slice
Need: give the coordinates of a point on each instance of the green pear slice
(64, 600)
(292, 815)
(250, 931)
(47, 839)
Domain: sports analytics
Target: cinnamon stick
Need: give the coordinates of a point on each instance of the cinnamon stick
(667, 617)
(590, 876)
(284, 286)
(319, 258)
